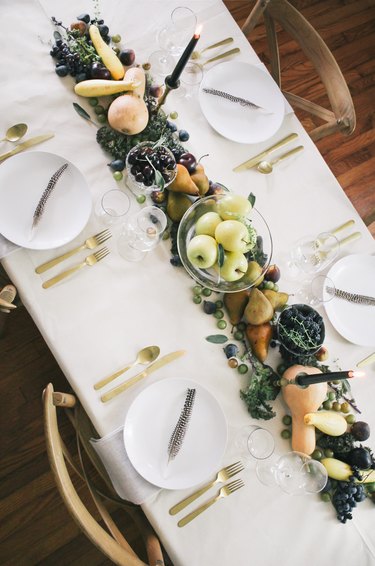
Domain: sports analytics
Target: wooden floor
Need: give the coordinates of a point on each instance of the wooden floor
(36, 529)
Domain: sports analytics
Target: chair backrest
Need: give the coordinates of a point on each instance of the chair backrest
(342, 116)
(113, 544)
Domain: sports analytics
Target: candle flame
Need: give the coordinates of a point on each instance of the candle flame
(197, 33)
(356, 373)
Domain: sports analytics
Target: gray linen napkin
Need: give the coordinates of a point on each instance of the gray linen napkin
(128, 483)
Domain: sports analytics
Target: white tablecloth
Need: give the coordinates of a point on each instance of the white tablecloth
(97, 321)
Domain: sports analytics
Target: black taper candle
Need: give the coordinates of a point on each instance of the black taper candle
(309, 379)
(172, 80)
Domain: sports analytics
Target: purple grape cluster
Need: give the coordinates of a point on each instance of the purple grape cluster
(145, 161)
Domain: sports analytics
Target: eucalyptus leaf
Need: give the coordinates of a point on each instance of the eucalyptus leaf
(159, 180)
(217, 338)
(251, 199)
(81, 111)
(220, 255)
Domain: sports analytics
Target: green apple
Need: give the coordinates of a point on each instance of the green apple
(232, 235)
(233, 207)
(234, 266)
(207, 223)
(202, 251)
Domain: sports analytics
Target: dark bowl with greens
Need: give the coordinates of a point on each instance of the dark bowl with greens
(300, 330)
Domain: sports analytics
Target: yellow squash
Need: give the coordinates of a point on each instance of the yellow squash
(106, 53)
(101, 87)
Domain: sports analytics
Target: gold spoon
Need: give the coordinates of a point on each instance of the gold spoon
(144, 356)
(14, 133)
(198, 54)
(267, 166)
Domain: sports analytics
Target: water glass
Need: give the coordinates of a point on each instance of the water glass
(175, 35)
(315, 292)
(190, 80)
(141, 233)
(254, 442)
(112, 207)
(311, 255)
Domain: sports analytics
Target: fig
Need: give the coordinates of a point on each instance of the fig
(360, 430)
(272, 274)
(322, 354)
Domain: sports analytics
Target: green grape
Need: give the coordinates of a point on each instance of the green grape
(102, 118)
(116, 38)
(221, 324)
(197, 290)
(345, 407)
(331, 395)
(336, 406)
(206, 292)
(219, 304)
(140, 199)
(269, 285)
(286, 433)
(238, 335)
(173, 115)
(350, 419)
(328, 453)
(242, 368)
(197, 299)
(99, 109)
(118, 176)
(93, 101)
(287, 420)
(317, 454)
(241, 326)
(327, 405)
(219, 314)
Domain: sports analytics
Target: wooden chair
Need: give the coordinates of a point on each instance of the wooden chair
(109, 541)
(342, 116)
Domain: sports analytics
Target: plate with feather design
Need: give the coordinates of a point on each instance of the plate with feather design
(23, 180)
(150, 422)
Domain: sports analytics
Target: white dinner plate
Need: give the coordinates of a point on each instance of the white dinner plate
(150, 422)
(356, 323)
(23, 178)
(241, 123)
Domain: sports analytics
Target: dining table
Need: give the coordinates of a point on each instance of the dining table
(97, 320)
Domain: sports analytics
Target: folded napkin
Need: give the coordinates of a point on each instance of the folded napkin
(125, 479)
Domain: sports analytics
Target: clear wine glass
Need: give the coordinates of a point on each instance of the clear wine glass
(141, 233)
(172, 40)
(190, 79)
(311, 255)
(295, 473)
(314, 292)
(112, 207)
(254, 442)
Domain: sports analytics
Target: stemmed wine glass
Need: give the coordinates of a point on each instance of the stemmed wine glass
(254, 442)
(314, 292)
(295, 473)
(311, 255)
(141, 233)
(112, 206)
(172, 39)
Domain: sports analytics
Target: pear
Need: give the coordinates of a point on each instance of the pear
(200, 179)
(235, 304)
(258, 309)
(183, 182)
(259, 338)
(276, 298)
(177, 205)
(253, 274)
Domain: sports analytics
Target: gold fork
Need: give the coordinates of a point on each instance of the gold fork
(89, 244)
(221, 477)
(89, 260)
(320, 255)
(224, 492)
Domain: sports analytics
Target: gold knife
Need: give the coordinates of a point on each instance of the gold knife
(152, 367)
(255, 160)
(26, 144)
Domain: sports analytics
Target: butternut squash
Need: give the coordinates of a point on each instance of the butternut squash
(101, 87)
(300, 402)
(128, 113)
(106, 53)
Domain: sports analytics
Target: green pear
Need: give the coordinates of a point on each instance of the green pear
(258, 309)
(276, 298)
(183, 183)
(200, 179)
(177, 205)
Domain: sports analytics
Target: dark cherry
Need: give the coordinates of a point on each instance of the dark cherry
(189, 161)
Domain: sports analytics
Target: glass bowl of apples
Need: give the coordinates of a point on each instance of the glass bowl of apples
(224, 243)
